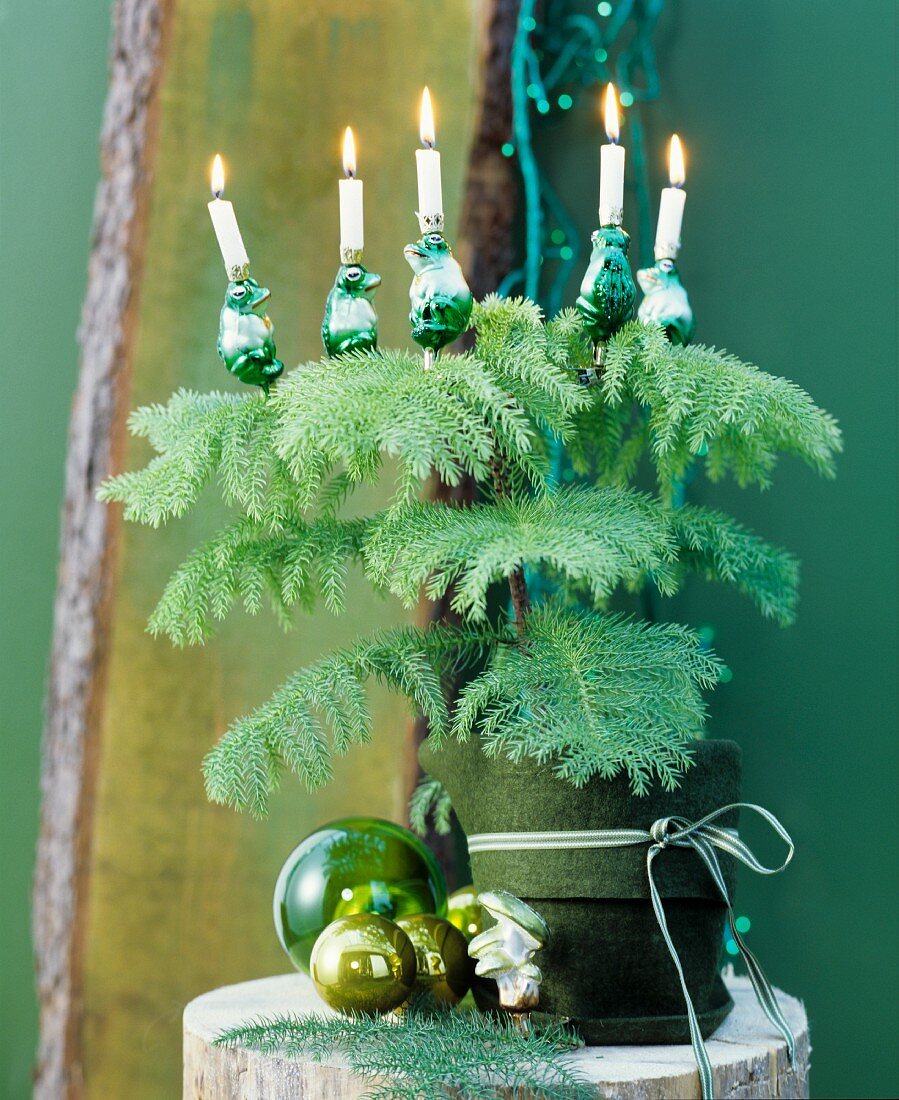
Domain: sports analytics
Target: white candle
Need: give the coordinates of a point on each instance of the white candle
(671, 208)
(237, 263)
(430, 189)
(611, 176)
(352, 235)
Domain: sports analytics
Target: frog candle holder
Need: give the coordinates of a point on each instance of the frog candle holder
(505, 952)
(665, 300)
(350, 322)
(440, 297)
(607, 296)
(246, 342)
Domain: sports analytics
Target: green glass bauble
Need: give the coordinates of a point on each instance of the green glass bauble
(443, 967)
(355, 865)
(364, 963)
(465, 912)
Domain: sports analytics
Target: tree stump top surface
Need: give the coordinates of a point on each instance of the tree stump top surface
(748, 1056)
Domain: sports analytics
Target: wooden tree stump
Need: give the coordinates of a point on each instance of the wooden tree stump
(749, 1058)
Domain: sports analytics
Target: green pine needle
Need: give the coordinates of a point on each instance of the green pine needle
(293, 566)
(430, 799)
(322, 710)
(196, 437)
(599, 536)
(428, 1052)
(697, 400)
(593, 695)
(718, 548)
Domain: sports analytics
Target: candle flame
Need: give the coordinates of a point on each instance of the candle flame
(349, 154)
(676, 171)
(426, 123)
(218, 176)
(610, 114)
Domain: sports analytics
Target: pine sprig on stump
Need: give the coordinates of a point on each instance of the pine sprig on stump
(428, 1052)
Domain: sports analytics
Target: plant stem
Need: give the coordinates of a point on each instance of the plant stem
(518, 588)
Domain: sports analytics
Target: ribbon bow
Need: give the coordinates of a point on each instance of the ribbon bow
(703, 837)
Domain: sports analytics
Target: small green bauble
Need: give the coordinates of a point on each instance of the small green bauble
(246, 343)
(466, 913)
(441, 955)
(364, 963)
(355, 865)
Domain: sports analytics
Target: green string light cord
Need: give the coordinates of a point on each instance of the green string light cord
(558, 60)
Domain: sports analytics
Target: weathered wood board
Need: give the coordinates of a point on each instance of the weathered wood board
(145, 894)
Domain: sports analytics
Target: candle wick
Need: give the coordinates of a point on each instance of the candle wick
(350, 173)
(217, 194)
(429, 144)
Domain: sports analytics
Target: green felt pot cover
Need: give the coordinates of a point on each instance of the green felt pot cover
(606, 966)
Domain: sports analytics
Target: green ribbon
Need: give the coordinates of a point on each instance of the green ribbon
(703, 837)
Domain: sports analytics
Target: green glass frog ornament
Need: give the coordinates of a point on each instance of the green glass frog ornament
(607, 293)
(246, 342)
(666, 302)
(350, 322)
(440, 297)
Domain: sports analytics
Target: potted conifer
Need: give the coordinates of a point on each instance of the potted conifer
(569, 717)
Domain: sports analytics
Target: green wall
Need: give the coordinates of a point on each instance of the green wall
(52, 87)
(791, 261)
(787, 111)
(790, 254)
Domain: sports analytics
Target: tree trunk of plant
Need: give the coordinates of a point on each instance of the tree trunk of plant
(485, 248)
(144, 894)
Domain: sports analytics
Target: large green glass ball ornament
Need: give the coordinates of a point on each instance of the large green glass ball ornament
(363, 963)
(466, 913)
(443, 966)
(355, 865)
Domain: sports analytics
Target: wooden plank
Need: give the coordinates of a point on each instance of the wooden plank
(748, 1056)
(145, 893)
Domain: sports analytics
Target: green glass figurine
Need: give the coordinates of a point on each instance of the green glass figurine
(350, 322)
(607, 293)
(440, 297)
(246, 335)
(505, 952)
(666, 302)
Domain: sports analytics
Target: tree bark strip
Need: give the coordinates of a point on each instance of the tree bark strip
(81, 612)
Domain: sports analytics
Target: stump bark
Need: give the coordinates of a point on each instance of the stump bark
(748, 1056)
